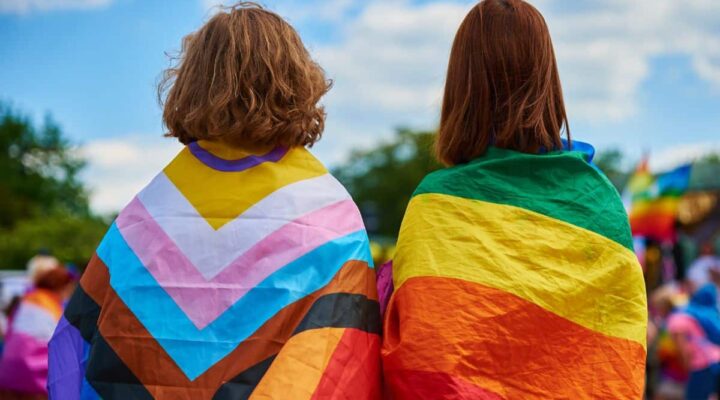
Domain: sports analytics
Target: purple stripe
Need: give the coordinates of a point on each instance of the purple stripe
(385, 286)
(67, 367)
(238, 165)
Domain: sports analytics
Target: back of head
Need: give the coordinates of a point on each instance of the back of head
(54, 280)
(245, 78)
(503, 86)
(39, 265)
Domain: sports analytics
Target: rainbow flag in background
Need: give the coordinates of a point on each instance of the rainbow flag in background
(654, 201)
(515, 278)
(231, 275)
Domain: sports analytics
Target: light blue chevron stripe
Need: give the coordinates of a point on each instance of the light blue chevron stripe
(193, 350)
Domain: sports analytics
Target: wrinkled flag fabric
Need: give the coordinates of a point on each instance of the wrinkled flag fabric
(515, 278)
(231, 275)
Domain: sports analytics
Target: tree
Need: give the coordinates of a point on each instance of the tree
(40, 171)
(706, 173)
(610, 162)
(383, 178)
(43, 202)
(70, 238)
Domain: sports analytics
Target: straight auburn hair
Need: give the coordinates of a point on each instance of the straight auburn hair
(244, 78)
(503, 87)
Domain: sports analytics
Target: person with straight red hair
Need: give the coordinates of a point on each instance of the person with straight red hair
(514, 275)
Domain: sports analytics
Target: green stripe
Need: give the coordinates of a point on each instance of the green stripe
(561, 185)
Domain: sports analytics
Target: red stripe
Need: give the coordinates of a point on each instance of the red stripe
(419, 384)
(503, 344)
(354, 369)
(657, 225)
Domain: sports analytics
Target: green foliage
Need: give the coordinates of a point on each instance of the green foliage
(610, 162)
(706, 173)
(70, 238)
(43, 202)
(382, 179)
(39, 171)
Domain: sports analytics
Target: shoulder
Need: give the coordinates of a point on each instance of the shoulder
(562, 185)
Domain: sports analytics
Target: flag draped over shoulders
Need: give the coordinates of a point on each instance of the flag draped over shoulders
(514, 278)
(231, 275)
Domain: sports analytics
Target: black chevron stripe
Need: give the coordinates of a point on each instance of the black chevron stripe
(336, 310)
(105, 371)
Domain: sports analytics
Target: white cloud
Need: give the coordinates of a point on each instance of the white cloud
(118, 168)
(683, 154)
(390, 58)
(605, 51)
(388, 66)
(27, 6)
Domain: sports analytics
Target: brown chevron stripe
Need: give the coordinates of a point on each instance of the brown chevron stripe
(155, 369)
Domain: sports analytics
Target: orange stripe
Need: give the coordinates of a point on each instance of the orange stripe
(299, 366)
(159, 373)
(503, 344)
(354, 369)
(45, 299)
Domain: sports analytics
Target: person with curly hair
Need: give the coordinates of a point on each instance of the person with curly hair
(243, 269)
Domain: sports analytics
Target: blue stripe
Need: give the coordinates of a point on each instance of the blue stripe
(674, 181)
(87, 392)
(193, 350)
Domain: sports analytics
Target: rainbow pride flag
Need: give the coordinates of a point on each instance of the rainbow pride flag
(24, 362)
(655, 200)
(231, 275)
(515, 278)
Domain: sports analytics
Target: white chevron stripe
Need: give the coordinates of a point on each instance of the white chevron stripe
(210, 250)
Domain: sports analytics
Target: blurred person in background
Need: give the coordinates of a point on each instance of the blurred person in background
(705, 267)
(696, 332)
(24, 362)
(514, 274)
(667, 369)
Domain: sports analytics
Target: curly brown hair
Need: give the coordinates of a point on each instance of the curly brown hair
(245, 78)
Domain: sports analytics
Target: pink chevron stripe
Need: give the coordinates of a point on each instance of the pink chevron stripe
(204, 300)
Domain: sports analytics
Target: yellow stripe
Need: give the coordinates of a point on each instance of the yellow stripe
(299, 366)
(665, 205)
(572, 272)
(221, 197)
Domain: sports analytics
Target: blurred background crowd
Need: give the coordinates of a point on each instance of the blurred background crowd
(642, 81)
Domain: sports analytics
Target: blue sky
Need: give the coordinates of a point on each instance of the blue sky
(640, 75)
